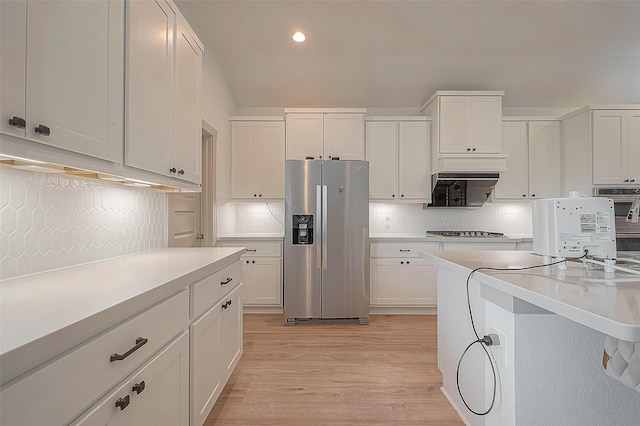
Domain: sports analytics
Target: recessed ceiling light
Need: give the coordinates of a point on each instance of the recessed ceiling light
(298, 37)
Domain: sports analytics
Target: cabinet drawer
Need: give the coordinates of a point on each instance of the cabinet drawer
(63, 388)
(480, 246)
(256, 248)
(402, 250)
(205, 293)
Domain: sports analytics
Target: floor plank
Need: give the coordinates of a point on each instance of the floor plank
(384, 373)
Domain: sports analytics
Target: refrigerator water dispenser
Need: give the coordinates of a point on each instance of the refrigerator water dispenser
(302, 229)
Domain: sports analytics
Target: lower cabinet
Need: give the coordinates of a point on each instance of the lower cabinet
(263, 279)
(408, 281)
(156, 394)
(216, 348)
(399, 277)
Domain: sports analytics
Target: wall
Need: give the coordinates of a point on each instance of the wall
(267, 217)
(51, 221)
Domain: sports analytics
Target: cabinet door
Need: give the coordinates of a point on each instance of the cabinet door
(206, 377)
(149, 86)
(344, 136)
(382, 155)
(414, 176)
(270, 159)
(248, 278)
(266, 289)
(304, 136)
(544, 159)
(187, 142)
(72, 48)
(633, 147)
(13, 66)
(387, 281)
(486, 124)
(513, 183)
(231, 332)
(420, 284)
(244, 170)
(454, 121)
(608, 147)
(163, 400)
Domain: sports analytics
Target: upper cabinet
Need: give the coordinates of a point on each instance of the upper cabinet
(62, 74)
(257, 159)
(398, 155)
(324, 134)
(533, 162)
(616, 147)
(164, 66)
(601, 146)
(466, 126)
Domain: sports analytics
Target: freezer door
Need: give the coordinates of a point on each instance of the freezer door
(345, 232)
(302, 260)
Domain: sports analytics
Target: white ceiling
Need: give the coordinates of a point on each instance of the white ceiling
(396, 53)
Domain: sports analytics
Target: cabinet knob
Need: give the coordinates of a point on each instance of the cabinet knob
(18, 122)
(172, 170)
(401, 262)
(225, 305)
(247, 261)
(180, 172)
(632, 180)
(407, 262)
(401, 195)
(473, 149)
(533, 195)
(138, 387)
(259, 195)
(524, 195)
(43, 130)
(393, 195)
(123, 403)
(468, 149)
(253, 261)
(626, 180)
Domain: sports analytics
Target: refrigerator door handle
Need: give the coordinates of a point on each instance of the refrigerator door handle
(318, 216)
(325, 243)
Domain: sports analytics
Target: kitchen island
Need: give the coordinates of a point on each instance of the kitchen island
(551, 324)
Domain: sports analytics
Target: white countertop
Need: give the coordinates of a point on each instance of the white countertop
(45, 314)
(437, 238)
(608, 305)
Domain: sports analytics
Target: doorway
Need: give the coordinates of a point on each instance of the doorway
(191, 218)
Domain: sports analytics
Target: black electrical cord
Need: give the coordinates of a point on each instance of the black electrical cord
(486, 340)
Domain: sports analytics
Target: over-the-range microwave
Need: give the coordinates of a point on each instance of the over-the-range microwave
(627, 234)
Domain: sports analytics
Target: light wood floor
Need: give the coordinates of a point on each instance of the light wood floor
(384, 373)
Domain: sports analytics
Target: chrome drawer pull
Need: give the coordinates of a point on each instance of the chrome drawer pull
(140, 342)
(228, 280)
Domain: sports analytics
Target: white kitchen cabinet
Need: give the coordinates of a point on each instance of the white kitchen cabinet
(231, 333)
(399, 277)
(466, 131)
(616, 147)
(403, 282)
(263, 277)
(157, 394)
(164, 64)
(324, 135)
(398, 155)
(533, 150)
(261, 272)
(257, 159)
(58, 88)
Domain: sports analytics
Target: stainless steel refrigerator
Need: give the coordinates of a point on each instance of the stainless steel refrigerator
(326, 248)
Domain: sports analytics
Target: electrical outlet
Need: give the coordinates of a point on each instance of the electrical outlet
(499, 351)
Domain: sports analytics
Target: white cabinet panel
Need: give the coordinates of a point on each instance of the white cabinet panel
(544, 159)
(616, 147)
(403, 282)
(263, 277)
(455, 122)
(187, 140)
(257, 159)
(485, 124)
(149, 86)
(66, 87)
(387, 282)
(414, 173)
(514, 183)
(344, 136)
(231, 332)
(206, 363)
(305, 136)
(382, 155)
(420, 282)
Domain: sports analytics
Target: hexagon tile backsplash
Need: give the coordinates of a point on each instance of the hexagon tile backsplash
(50, 221)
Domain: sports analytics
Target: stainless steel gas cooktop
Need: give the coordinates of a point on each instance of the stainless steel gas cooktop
(481, 234)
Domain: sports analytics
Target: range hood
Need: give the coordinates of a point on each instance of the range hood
(461, 189)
